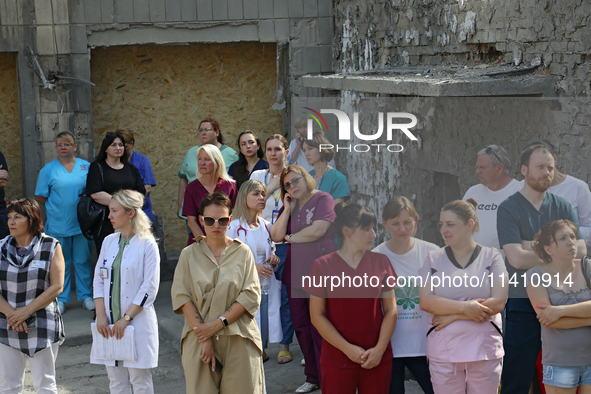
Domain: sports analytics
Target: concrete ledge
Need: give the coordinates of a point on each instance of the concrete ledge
(438, 82)
(173, 34)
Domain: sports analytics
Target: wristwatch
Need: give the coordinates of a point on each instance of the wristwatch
(223, 319)
(127, 317)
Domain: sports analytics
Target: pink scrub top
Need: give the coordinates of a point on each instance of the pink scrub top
(465, 340)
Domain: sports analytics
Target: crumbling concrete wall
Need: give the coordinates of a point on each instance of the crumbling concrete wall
(553, 34)
(161, 92)
(10, 143)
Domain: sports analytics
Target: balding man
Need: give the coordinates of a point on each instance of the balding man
(494, 187)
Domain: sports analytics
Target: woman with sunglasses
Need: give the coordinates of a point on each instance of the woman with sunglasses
(59, 186)
(276, 154)
(31, 278)
(249, 227)
(209, 133)
(211, 177)
(250, 158)
(111, 172)
(305, 223)
(216, 287)
(327, 178)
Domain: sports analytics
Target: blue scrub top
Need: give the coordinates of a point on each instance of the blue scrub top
(335, 184)
(62, 190)
(145, 168)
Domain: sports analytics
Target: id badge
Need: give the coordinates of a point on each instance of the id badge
(37, 264)
(104, 273)
(275, 216)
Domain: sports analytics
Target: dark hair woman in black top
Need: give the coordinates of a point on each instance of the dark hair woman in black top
(116, 174)
(250, 157)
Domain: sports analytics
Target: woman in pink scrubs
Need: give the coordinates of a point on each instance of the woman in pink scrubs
(464, 288)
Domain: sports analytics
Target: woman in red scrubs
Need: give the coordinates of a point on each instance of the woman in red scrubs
(353, 307)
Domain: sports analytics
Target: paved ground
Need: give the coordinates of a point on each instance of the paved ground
(75, 375)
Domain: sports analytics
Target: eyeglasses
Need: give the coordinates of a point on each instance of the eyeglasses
(294, 182)
(490, 150)
(208, 221)
(64, 145)
(207, 130)
(18, 201)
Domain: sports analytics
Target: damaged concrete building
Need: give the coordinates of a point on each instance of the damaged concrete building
(160, 65)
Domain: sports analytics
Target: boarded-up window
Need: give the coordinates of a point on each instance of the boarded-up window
(160, 93)
(10, 142)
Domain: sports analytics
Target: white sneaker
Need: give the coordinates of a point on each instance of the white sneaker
(89, 304)
(303, 362)
(62, 307)
(306, 388)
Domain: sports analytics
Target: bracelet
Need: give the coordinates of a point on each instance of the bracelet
(28, 310)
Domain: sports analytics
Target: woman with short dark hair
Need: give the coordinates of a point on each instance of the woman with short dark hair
(31, 278)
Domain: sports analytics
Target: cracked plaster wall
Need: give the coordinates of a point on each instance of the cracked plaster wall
(377, 35)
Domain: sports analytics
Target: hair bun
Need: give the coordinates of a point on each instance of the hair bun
(338, 209)
(472, 202)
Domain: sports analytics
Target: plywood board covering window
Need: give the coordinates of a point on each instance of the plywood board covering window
(160, 93)
(10, 142)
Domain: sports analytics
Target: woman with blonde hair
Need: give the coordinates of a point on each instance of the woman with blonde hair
(249, 227)
(211, 177)
(305, 222)
(465, 342)
(276, 148)
(126, 280)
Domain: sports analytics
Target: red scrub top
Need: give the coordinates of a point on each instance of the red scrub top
(354, 310)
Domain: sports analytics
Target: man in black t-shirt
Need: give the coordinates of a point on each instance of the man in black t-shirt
(3, 181)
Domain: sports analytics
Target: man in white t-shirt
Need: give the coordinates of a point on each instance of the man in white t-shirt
(494, 187)
(572, 190)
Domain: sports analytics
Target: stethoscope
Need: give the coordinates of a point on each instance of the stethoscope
(245, 231)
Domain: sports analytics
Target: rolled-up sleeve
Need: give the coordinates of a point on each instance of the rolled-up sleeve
(180, 291)
(250, 295)
(149, 288)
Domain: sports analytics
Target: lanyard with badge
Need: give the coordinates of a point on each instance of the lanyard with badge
(276, 197)
(104, 270)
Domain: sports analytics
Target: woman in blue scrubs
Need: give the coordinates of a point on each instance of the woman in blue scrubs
(59, 186)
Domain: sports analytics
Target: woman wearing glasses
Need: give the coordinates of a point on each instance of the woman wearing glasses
(211, 177)
(250, 228)
(209, 133)
(59, 186)
(304, 221)
(276, 153)
(111, 172)
(31, 278)
(216, 287)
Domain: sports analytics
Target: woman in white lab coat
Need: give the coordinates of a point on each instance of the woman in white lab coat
(126, 282)
(249, 227)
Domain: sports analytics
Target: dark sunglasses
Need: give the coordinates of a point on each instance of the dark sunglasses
(490, 150)
(294, 182)
(208, 221)
(18, 201)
